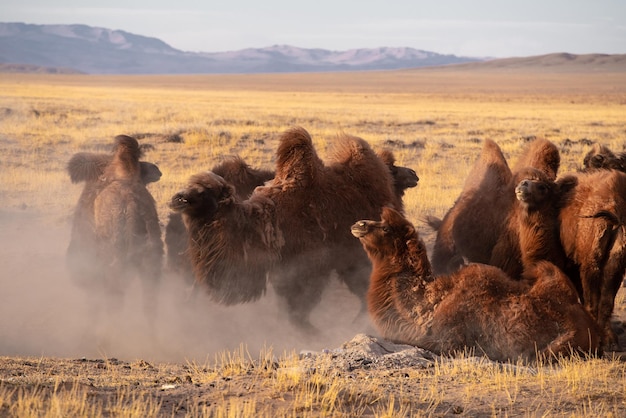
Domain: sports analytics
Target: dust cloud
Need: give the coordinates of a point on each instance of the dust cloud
(42, 313)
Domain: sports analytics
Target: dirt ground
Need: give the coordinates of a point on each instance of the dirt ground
(49, 332)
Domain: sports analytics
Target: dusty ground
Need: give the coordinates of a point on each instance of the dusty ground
(52, 341)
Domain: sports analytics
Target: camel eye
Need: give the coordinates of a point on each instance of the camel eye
(386, 229)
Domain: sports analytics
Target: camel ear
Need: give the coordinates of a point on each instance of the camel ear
(86, 166)
(566, 184)
(392, 216)
(228, 191)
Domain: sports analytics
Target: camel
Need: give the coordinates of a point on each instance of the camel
(300, 220)
(600, 157)
(593, 234)
(116, 233)
(531, 231)
(471, 229)
(403, 178)
(478, 308)
(243, 178)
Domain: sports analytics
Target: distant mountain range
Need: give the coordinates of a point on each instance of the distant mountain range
(86, 49)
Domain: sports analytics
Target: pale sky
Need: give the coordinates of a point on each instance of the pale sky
(476, 28)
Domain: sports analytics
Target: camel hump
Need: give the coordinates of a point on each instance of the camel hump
(241, 175)
(356, 155)
(296, 158)
(351, 151)
(387, 157)
(542, 155)
(231, 165)
(125, 163)
(490, 171)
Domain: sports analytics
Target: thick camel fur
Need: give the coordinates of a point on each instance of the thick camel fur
(478, 308)
(243, 178)
(476, 222)
(593, 235)
(600, 157)
(471, 228)
(116, 235)
(542, 155)
(531, 231)
(232, 243)
(403, 178)
(307, 209)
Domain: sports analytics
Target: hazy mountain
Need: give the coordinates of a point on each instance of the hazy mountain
(105, 51)
(557, 62)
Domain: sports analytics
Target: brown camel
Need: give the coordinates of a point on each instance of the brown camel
(232, 243)
(473, 226)
(403, 178)
(600, 157)
(542, 155)
(593, 235)
(531, 231)
(478, 308)
(116, 233)
(244, 179)
(300, 220)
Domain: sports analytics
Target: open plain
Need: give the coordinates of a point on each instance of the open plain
(202, 359)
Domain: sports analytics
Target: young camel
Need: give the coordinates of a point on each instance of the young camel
(477, 308)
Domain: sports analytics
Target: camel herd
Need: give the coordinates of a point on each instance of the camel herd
(527, 262)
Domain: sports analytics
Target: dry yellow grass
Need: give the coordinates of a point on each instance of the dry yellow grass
(438, 117)
(434, 122)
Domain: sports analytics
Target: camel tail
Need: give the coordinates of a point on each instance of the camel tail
(433, 222)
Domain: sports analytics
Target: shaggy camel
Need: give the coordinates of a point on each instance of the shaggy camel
(244, 180)
(593, 235)
(403, 178)
(601, 157)
(116, 232)
(478, 308)
(296, 228)
(470, 230)
(531, 231)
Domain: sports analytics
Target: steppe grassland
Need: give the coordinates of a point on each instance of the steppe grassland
(433, 122)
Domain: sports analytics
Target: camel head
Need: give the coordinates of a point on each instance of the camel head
(149, 172)
(203, 195)
(599, 157)
(403, 177)
(385, 237)
(534, 189)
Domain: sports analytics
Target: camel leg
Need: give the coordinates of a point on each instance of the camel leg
(560, 347)
(611, 283)
(357, 280)
(301, 293)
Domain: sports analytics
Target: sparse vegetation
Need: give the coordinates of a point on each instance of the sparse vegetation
(433, 122)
